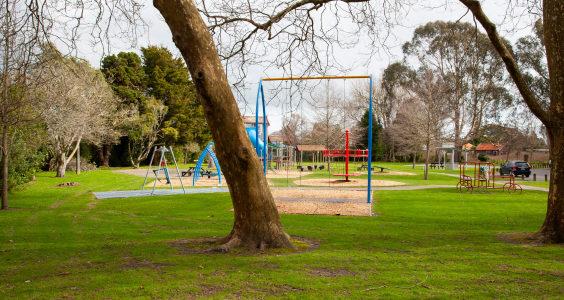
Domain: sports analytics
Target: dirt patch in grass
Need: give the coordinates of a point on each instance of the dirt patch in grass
(343, 183)
(137, 264)
(268, 266)
(326, 272)
(67, 184)
(519, 238)
(201, 246)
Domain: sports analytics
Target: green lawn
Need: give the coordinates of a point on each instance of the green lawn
(121, 248)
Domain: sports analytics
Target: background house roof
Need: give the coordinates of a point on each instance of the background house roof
(489, 147)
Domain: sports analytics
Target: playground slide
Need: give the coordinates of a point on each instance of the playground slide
(251, 131)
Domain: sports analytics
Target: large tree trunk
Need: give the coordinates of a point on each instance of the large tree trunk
(552, 230)
(257, 223)
(426, 177)
(106, 155)
(61, 165)
(5, 162)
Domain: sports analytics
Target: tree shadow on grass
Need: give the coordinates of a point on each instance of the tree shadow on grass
(525, 239)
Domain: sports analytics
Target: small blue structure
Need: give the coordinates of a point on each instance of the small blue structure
(197, 171)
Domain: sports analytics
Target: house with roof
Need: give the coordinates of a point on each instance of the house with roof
(280, 140)
(490, 149)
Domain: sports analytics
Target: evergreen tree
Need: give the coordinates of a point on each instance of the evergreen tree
(168, 80)
(378, 148)
(126, 76)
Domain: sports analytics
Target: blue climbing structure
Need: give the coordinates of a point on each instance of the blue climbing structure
(198, 169)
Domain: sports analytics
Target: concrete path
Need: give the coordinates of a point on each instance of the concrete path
(158, 192)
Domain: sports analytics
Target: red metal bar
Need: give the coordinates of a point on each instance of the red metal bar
(347, 156)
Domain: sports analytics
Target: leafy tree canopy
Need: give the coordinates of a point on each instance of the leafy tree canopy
(168, 80)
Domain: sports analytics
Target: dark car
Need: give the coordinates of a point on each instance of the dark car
(516, 167)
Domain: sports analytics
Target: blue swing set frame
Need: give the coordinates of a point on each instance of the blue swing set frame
(260, 95)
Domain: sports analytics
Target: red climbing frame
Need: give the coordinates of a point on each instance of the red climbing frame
(484, 178)
(346, 154)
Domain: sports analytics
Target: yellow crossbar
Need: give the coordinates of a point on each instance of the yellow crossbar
(319, 77)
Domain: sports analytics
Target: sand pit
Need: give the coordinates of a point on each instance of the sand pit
(203, 181)
(342, 183)
(334, 194)
(321, 202)
(323, 208)
(286, 174)
(389, 173)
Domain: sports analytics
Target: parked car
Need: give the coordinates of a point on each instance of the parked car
(516, 167)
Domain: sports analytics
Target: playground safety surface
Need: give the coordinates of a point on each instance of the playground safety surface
(158, 192)
(322, 202)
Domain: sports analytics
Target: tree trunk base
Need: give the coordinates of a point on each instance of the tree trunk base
(545, 237)
(250, 241)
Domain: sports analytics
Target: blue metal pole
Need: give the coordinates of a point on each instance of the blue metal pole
(370, 144)
(256, 115)
(265, 148)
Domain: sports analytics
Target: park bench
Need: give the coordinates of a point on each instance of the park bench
(437, 165)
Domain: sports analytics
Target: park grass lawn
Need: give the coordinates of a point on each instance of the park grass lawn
(427, 243)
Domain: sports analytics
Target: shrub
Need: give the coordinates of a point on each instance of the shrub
(483, 158)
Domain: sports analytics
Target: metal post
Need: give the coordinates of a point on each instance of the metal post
(256, 118)
(157, 175)
(444, 161)
(178, 171)
(347, 156)
(166, 171)
(265, 141)
(148, 170)
(370, 144)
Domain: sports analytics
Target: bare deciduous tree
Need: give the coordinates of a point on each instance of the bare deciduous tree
(76, 104)
(19, 46)
(326, 109)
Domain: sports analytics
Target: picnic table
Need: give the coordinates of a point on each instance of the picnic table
(203, 172)
(365, 167)
(381, 168)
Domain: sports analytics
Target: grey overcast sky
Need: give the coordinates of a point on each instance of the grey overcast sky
(159, 34)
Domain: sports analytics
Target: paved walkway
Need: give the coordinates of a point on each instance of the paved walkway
(158, 192)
